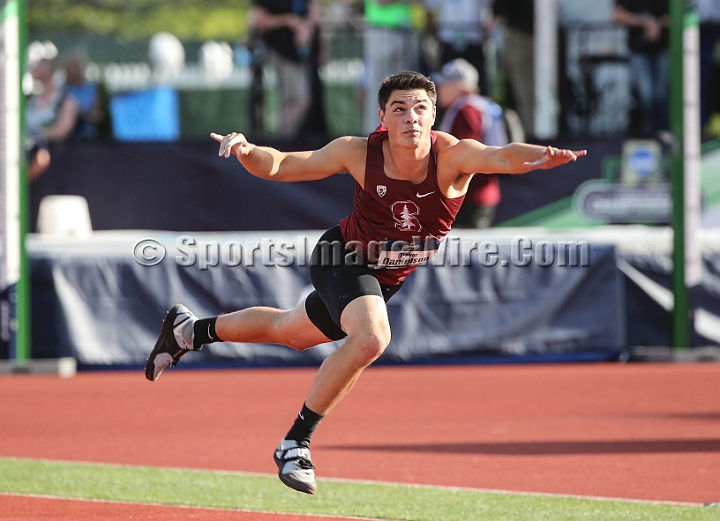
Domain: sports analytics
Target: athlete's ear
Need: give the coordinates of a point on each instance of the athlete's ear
(381, 115)
(434, 113)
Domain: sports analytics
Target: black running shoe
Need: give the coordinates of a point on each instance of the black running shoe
(172, 344)
(294, 466)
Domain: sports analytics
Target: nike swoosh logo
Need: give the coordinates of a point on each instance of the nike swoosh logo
(420, 196)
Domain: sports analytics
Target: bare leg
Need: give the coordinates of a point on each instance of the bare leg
(366, 322)
(264, 325)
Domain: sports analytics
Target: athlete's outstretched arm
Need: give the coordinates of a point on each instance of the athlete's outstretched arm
(269, 163)
(470, 156)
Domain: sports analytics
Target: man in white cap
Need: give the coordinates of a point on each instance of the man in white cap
(468, 115)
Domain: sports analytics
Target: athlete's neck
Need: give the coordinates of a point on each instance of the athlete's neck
(406, 163)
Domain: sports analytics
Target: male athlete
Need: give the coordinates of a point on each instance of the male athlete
(411, 182)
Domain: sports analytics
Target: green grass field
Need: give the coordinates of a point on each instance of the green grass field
(266, 493)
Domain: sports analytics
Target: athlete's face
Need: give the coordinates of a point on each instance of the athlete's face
(409, 116)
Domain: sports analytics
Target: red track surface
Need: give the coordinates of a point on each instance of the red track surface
(37, 508)
(633, 431)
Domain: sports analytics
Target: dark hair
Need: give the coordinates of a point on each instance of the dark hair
(405, 80)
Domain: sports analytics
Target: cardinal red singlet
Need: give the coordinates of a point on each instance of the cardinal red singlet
(397, 225)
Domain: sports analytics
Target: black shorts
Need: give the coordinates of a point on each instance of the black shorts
(339, 276)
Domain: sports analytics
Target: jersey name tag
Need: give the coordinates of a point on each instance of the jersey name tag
(403, 254)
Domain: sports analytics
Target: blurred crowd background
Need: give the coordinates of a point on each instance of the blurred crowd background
(145, 70)
(297, 73)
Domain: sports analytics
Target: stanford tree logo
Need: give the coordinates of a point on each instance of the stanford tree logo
(405, 215)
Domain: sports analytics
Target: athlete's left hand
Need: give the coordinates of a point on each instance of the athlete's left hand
(232, 144)
(554, 157)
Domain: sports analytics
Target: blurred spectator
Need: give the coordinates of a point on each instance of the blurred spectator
(392, 45)
(288, 28)
(50, 116)
(315, 122)
(471, 116)
(518, 19)
(709, 11)
(87, 96)
(460, 26)
(647, 21)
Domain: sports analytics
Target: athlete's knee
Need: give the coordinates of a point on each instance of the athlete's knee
(371, 344)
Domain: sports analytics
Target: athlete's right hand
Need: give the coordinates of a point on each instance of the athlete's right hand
(233, 143)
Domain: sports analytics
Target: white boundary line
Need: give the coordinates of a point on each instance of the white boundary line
(371, 482)
(517, 492)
